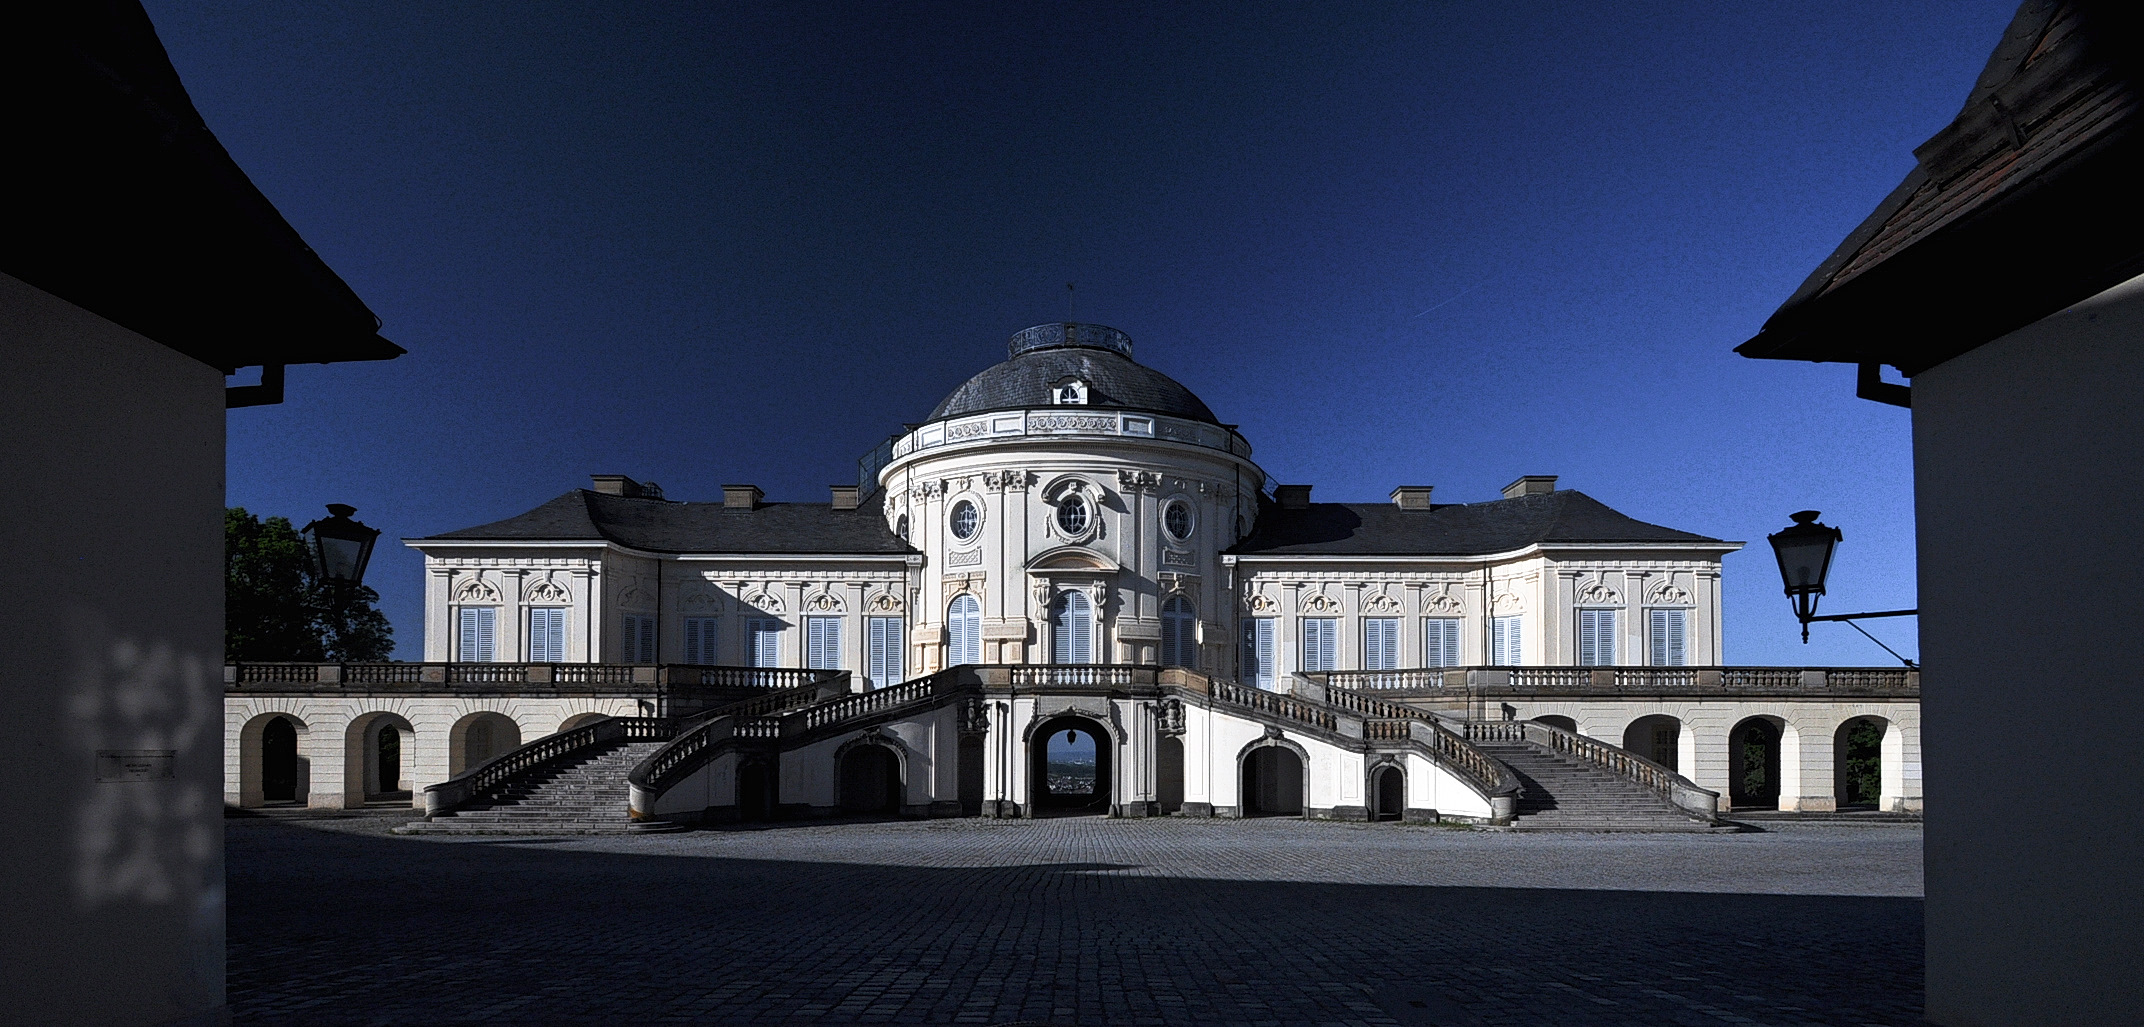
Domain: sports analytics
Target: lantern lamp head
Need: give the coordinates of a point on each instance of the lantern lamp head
(1804, 549)
(340, 547)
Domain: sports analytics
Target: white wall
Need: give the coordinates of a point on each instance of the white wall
(112, 594)
(2030, 511)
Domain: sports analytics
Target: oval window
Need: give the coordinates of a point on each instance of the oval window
(1072, 514)
(1176, 518)
(965, 520)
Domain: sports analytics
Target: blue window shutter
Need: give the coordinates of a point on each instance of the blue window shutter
(1320, 648)
(1440, 642)
(886, 646)
(547, 635)
(822, 643)
(1666, 636)
(479, 633)
(964, 623)
(1504, 645)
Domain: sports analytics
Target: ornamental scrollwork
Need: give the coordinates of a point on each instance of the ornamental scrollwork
(1260, 604)
(1597, 593)
(476, 590)
(974, 715)
(1507, 605)
(884, 602)
(1320, 603)
(764, 602)
(1666, 594)
(1378, 602)
(1169, 717)
(547, 591)
(633, 597)
(1440, 602)
(824, 602)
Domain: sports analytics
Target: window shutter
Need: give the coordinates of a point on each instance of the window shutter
(547, 636)
(1440, 642)
(822, 643)
(1505, 641)
(1380, 643)
(1258, 651)
(885, 651)
(1320, 643)
(1666, 637)
(479, 625)
(1678, 652)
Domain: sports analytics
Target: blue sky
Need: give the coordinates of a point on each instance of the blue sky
(1443, 244)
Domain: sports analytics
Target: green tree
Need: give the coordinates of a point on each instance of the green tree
(275, 609)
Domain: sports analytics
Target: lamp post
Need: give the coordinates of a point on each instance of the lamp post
(1804, 550)
(340, 546)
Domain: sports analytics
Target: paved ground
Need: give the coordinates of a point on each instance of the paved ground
(1075, 922)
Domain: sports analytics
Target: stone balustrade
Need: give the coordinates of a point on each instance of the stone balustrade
(1631, 682)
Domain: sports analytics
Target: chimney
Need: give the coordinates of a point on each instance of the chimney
(1412, 497)
(741, 497)
(615, 485)
(1531, 485)
(844, 496)
(1292, 497)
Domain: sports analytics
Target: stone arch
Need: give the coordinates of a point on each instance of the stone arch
(1657, 737)
(292, 755)
(1387, 791)
(1273, 778)
(1169, 775)
(478, 738)
(1755, 747)
(871, 774)
(1865, 763)
(378, 747)
(1042, 797)
(1558, 720)
(580, 720)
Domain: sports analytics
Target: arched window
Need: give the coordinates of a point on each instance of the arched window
(1179, 646)
(964, 631)
(1071, 628)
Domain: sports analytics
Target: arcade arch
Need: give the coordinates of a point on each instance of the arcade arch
(1865, 764)
(1754, 749)
(272, 762)
(580, 720)
(1657, 737)
(1273, 782)
(1555, 720)
(1070, 765)
(870, 779)
(1388, 792)
(478, 738)
(377, 747)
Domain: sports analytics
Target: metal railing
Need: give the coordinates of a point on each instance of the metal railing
(496, 774)
(1782, 682)
(1684, 793)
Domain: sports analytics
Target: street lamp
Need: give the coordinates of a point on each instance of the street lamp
(340, 546)
(1804, 550)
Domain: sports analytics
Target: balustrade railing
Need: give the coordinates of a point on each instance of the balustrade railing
(691, 747)
(1080, 676)
(535, 677)
(1385, 730)
(1785, 682)
(1274, 703)
(875, 701)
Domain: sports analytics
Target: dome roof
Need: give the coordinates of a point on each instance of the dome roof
(1045, 356)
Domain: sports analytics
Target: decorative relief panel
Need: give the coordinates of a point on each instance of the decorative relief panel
(764, 602)
(633, 597)
(547, 591)
(1260, 604)
(1320, 604)
(476, 590)
(1666, 594)
(1178, 558)
(884, 602)
(1441, 603)
(969, 558)
(1380, 603)
(1598, 593)
(824, 602)
(1072, 422)
(1507, 605)
(1138, 481)
(967, 431)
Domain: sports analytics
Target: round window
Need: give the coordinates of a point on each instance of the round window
(965, 520)
(1176, 517)
(1072, 514)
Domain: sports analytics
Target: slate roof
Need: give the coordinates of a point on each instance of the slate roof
(1113, 381)
(662, 526)
(2023, 205)
(1459, 529)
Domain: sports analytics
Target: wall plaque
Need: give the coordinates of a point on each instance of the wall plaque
(118, 765)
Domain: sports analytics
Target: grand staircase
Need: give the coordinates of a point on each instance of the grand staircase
(1566, 794)
(581, 794)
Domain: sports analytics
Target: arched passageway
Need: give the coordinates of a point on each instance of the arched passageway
(580, 720)
(279, 761)
(1388, 793)
(870, 780)
(478, 738)
(1272, 782)
(1857, 768)
(1069, 766)
(758, 791)
(1169, 775)
(1657, 738)
(1753, 749)
(377, 748)
(1554, 720)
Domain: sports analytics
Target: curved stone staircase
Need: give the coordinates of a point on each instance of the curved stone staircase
(1567, 794)
(582, 794)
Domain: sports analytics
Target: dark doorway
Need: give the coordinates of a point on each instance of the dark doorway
(1858, 763)
(756, 790)
(1753, 765)
(279, 761)
(1657, 738)
(1069, 767)
(390, 751)
(1388, 793)
(871, 780)
(1169, 771)
(1272, 782)
(971, 776)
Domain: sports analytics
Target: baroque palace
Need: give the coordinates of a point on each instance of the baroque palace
(1073, 544)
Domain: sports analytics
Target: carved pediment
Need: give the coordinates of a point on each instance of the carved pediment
(1321, 604)
(476, 590)
(1666, 594)
(1599, 593)
(1380, 603)
(765, 602)
(824, 602)
(544, 590)
(1441, 603)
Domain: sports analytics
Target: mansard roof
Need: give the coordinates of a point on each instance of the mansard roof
(1564, 517)
(663, 526)
(2023, 205)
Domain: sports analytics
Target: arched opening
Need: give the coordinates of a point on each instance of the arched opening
(964, 631)
(1857, 768)
(478, 738)
(387, 764)
(971, 776)
(1071, 628)
(279, 761)
(580, 720)
(1388, 793)
(870, 780)
(1753, 749)
(1069, 766)
(1554, 720)
(1169, 774)
(1657, 738)
(757, 797)
(1179, 635)
(1272, 782)
(377, 751)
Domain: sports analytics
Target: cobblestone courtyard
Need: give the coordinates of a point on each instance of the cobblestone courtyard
(1068, 922)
